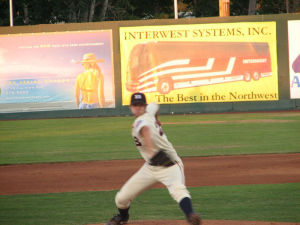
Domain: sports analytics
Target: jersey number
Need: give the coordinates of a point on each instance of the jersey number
(137, 142)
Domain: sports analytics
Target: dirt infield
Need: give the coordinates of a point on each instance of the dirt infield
(110, 175)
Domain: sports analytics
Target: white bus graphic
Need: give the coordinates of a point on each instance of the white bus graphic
(165, 66)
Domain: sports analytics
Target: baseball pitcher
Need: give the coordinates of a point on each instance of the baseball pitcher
(162, 164)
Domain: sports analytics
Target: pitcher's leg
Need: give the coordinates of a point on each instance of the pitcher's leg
(174, 179)
(138, 183)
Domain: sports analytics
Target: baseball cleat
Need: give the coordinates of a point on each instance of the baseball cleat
(194, 219)
(118, 220)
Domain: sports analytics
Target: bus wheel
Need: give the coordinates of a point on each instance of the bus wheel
(165, 86)
(255, 76)
(247, 76)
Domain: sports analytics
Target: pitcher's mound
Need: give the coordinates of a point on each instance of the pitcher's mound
(205, 222)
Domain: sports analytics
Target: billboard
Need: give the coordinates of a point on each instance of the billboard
(294, 58)
(56, 71)
(226, 62)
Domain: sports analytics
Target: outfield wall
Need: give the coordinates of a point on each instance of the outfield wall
(278, 43)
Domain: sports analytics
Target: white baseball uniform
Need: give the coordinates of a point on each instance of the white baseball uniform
(172, 177)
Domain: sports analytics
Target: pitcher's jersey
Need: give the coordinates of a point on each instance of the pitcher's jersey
(160, 140)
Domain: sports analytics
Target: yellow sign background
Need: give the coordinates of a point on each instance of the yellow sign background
(265, 89)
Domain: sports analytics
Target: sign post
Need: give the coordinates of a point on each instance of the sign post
(175, 9)
(11, 17)
(224, 8)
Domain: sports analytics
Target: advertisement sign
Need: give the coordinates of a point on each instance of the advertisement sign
(226, 62)
(294, 58)
(56, 71)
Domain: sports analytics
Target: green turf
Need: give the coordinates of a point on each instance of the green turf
(84, 139)
(268, 202)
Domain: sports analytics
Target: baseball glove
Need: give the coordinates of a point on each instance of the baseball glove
(161, 159)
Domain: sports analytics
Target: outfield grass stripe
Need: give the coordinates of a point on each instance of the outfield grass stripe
(231, 121)
(85, 139)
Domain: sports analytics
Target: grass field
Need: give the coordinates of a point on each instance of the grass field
(277, 202)
(84, 139)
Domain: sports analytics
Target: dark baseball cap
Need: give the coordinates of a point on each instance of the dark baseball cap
(138, 99)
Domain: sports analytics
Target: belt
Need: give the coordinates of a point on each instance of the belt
(167, 164)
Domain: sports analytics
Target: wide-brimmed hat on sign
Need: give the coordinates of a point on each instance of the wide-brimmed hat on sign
(90, 58)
